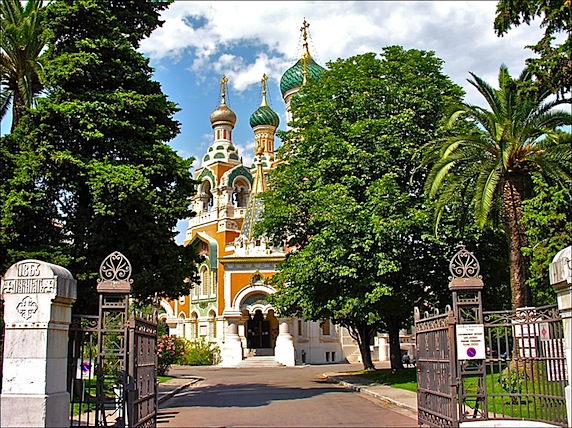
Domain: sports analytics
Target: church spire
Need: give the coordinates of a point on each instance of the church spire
(223, 120)
(255, 205)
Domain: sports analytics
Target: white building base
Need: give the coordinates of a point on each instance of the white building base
(284, 352)
(232, 352)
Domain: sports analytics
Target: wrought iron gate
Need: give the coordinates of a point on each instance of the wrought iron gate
(436, 376)
(112, 376)
(516, 369)
(142, 398)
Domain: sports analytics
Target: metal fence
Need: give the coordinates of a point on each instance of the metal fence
(526, 365)
(132, 403)
(82, 357)
(523, 376)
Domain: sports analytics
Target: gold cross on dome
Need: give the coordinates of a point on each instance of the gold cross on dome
(223, 83)
(303, 29)
(264, 79)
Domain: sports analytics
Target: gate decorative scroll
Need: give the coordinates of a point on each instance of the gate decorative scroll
(436, 392)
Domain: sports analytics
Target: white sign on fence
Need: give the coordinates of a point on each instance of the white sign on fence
(84, 369)
(470, 341)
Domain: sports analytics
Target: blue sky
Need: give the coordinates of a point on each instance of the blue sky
(201, 41)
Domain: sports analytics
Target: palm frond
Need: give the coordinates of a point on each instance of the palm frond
(486, 191)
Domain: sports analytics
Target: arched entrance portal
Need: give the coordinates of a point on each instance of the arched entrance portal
(258, 331)
(261, 325)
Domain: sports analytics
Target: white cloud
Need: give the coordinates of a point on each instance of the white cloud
(461, 33)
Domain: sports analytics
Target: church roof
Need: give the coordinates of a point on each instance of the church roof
(223, 115)
(264, 115)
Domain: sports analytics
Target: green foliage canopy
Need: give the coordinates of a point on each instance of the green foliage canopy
(92, 172)
(553, 66)
(21, 45)
(342, 197)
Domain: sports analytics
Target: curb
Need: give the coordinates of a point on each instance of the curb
(179, 388)
(369, 392)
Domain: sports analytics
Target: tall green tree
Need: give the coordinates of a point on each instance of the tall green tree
(548, 221)
(343, 199)
(94, 173)
(553, 65)
(21, 45)
(492, 164)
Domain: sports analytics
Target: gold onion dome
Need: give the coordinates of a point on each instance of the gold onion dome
(223, 115)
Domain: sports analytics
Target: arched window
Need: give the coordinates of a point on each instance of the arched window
(206, 196)
(240, 193)
(212, 324)
(194, 326)
(204, 281)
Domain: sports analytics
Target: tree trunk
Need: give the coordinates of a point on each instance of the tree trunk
(513, 195)
(362, 333)
(393, 327)
(17, 107)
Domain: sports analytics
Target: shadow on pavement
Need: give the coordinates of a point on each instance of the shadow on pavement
(245, 395)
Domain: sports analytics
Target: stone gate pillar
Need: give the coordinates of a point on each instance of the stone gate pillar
(38, 297)
(561, 281)
(284, 350)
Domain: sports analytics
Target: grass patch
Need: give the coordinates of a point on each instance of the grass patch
(403, 379)
(162, 379)
(528, 401)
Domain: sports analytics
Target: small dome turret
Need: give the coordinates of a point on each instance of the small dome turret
(223, 115)
(264, 115)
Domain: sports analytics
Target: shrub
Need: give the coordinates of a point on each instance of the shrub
(512, 382)
(170, 350)
(201, 353)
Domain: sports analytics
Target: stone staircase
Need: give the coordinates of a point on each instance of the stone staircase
(259, 361)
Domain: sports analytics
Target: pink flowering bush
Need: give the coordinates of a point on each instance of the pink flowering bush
(170, 350)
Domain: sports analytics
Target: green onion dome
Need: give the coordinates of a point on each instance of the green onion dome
(294, 76)
(264, 116)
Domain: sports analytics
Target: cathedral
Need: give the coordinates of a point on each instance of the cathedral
(229, 305)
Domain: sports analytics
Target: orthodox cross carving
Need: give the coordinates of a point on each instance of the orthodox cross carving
(27, 307)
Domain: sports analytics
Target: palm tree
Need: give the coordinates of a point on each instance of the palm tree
(20, 48)
(494, 161)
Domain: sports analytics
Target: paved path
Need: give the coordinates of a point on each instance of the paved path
(277, 397)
